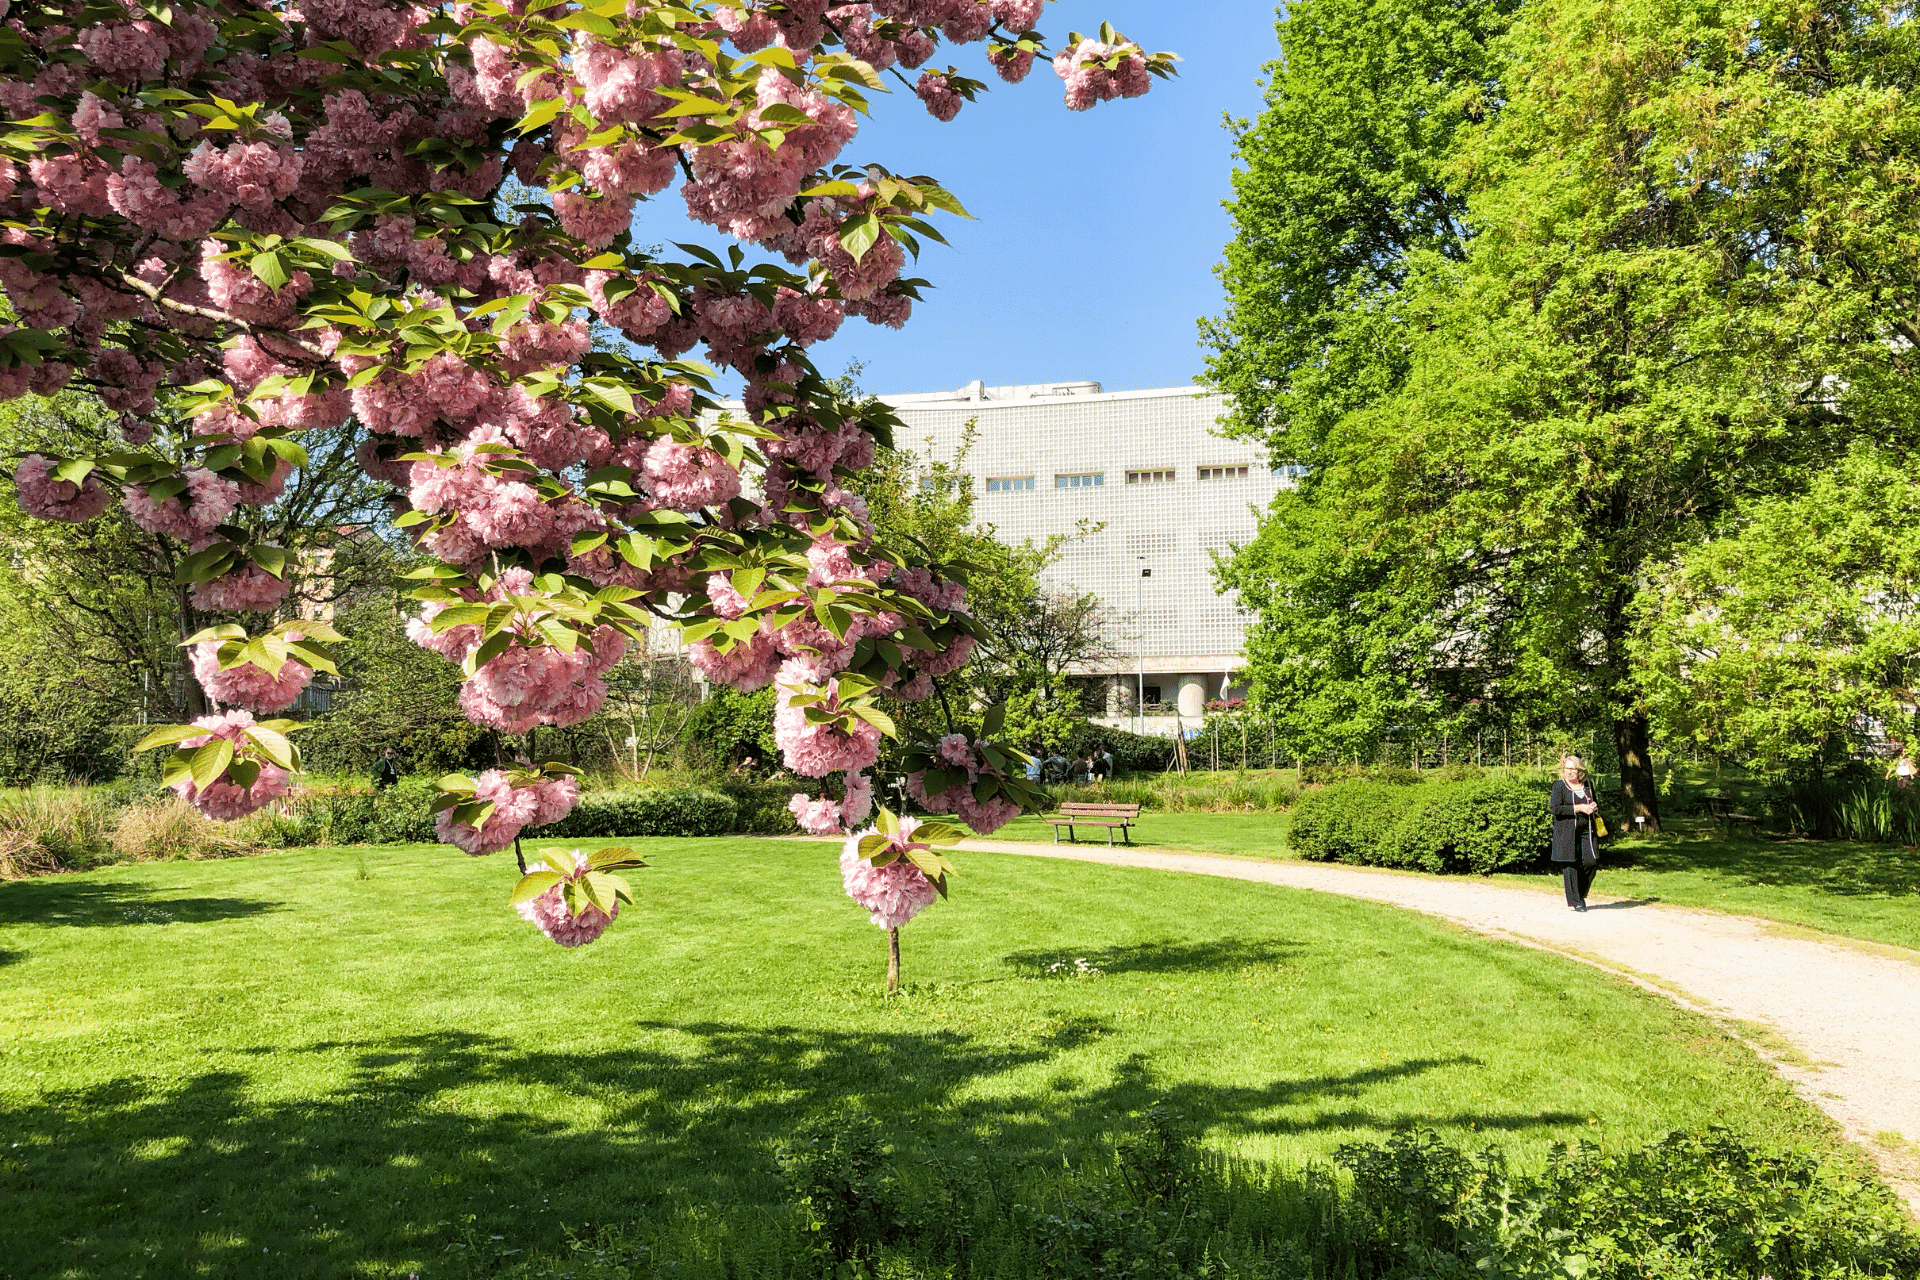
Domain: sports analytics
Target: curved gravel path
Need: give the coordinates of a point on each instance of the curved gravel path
(1841, 1022)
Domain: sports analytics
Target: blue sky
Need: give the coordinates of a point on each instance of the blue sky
(1096, 232)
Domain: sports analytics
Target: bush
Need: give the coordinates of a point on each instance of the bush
(45, 829)
(401, 814)
(1132, 752)
(170, 828)
(1345, 822)
(1480, 825)
(665, 811)
(760, 808)
(1325, 774)
(1866, 809)
(727, 728)
(866, 1200)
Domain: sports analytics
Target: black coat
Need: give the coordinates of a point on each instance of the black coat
(1571, 830)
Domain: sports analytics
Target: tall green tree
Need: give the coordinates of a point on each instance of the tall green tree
(1692, 251)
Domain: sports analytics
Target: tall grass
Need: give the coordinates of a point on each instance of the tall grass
(1869, 810)
(75, 828)
(45, 829)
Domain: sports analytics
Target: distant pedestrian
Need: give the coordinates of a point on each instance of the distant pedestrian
(1575, 847)
(1103, 765)
(1903, 767)
(385, 771)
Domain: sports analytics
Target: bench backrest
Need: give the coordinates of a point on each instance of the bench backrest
(1078, 810)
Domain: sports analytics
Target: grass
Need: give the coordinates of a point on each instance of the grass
(1871, 892)
(1853, 890)
(344, 1062)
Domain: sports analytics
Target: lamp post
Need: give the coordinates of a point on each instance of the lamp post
(1140, 649)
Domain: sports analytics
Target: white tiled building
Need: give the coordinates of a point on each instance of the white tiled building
(1145, 466)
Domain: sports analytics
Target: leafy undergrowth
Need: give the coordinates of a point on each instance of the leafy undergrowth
(349, 1062)
(1691, 1206)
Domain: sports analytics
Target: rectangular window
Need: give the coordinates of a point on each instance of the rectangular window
(1290, 471)
(1151, 477)
(1151, 693)
(1082, 481)
(1008, 484)
(1223, 473)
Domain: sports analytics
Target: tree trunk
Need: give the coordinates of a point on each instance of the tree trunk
(1638, 786)
(893, 958)
(195, 696)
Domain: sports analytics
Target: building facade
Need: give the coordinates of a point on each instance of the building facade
(1164, 493)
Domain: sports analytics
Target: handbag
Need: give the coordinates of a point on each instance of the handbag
(1599, 827)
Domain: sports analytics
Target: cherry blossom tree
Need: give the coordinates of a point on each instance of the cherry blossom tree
(895, 871)
(262, 220)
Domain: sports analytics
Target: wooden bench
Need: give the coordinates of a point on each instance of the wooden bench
(1721, 810)
(1109, 816)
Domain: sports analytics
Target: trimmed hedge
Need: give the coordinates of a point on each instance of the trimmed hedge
(1346, 821)
(667, 811)
(1480, 825)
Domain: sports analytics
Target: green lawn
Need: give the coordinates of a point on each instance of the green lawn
(1870, 892)
(335, 1062)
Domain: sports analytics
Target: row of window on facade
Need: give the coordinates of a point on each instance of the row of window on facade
(1166, 475)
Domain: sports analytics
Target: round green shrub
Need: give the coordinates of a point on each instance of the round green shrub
(1481, 825)
(1346, 822)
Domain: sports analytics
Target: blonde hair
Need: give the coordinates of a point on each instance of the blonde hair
(1572, 765)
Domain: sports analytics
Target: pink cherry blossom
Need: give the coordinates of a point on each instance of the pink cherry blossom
(49, 499)
(549, 914)
(891, 895)
(943, 104)
(224, 800)
(513, 808)
(246, 685)
(250, 590)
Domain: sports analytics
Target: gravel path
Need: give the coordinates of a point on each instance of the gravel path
(1841, 1022)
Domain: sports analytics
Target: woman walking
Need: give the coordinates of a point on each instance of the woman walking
(1574, 814)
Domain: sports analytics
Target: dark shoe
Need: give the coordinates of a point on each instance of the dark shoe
(1582, 908)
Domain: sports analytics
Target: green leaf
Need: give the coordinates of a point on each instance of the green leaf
(209, 762)
(938, 833)
(532, 885)
(859, 234)
(166, 736)
(271, 268)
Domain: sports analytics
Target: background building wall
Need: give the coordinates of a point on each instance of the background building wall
(1169, 525)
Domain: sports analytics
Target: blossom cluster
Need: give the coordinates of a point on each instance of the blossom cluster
(224, 799)
(549, 913)
(893, 894)
(958, 756)
(515, 808)
(309, 249)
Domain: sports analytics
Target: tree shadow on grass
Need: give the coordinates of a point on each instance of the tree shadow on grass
(214, 1175)
(92, 903)
(1165, 956)
(1837, 867)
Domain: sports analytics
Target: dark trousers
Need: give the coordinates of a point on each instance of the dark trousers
(1578, 878)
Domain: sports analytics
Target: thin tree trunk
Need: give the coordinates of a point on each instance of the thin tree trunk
(893, 958)
(196, 697)
(1638, 786)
